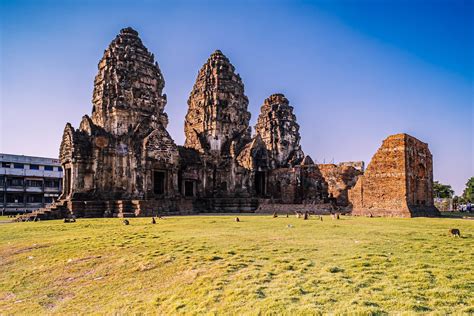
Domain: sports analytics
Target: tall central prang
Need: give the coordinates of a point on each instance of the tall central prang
(217, 113)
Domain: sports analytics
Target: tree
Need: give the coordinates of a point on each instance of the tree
(442, 190)
(468, 193)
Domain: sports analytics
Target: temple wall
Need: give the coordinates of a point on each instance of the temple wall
(397, 182)
(340, 178)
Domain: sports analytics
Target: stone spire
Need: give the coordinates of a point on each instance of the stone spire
(128, 86)
(217, 114)
(277, 126)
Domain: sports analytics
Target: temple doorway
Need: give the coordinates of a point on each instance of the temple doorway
(188, 188)
(67, 181)
(260, 183)
(159, 182)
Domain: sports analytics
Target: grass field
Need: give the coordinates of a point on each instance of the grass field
(211, 264)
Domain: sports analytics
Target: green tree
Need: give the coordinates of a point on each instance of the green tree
(442, 190)
(468, 193)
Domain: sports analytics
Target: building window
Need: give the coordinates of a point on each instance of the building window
(51, 183)
(48, 199)
(34, 167)
(2, 181)
(34, 183)
(34, 198)
(18, 166)
(14, 198)
(6, 164)
(15, 182)
(60, 169)
(189, 188)
(159, 182)
(48, 168)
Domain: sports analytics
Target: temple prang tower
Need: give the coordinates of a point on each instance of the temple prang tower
(217, 127)
(128, 86)
(279, 130)
(217, 117)
(123, 152)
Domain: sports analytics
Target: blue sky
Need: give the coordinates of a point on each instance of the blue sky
(355, 71)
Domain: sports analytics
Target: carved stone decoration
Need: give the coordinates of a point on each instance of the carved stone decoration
(159, 146)
(254, 156)
(277, 126)
(397, 182)
(307, 161)
(128, 86)
(217, 113)
(66, 150)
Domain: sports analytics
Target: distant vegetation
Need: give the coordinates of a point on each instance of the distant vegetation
(442, 190)
(468, 193)
(213, 264)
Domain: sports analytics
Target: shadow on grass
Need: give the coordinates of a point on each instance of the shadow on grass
(464, 215)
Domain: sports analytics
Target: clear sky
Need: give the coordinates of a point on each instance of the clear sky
(355, 71)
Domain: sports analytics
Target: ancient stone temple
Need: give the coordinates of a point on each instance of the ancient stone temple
(279, 131)
(397, 182)
(217, 129)
(123, 153)
(217, 120)
(121, 161)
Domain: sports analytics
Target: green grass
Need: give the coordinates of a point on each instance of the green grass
(211, 264)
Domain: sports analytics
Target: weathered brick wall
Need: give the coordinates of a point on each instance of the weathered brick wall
(312, 183)
(340, 178)
(283, 184)
(282, 209)
(397, 182)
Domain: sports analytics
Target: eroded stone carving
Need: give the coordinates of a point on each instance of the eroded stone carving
(277, 126)
(128, 86)
(217, 108)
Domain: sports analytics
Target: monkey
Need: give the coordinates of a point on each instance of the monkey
(126, 222)
(153, 221)
(455, 232)
(237, 219)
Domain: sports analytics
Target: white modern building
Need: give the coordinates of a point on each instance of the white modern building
(28, 183)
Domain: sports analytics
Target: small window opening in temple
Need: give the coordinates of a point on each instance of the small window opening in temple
(159, 182)
(188, 188)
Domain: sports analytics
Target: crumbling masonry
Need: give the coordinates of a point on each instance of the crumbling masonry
(122, 161)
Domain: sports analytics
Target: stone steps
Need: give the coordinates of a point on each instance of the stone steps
(232, 205)
(54, 212)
